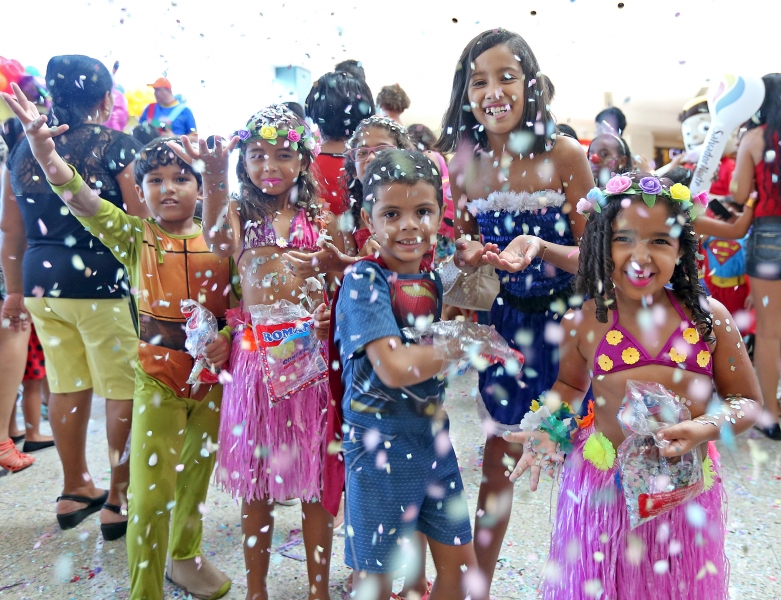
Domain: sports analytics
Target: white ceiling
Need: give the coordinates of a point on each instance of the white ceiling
(652, 55)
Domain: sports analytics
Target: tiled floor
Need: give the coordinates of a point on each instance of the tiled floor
(37, 560)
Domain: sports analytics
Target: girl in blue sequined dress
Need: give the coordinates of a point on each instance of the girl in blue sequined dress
(517, 186)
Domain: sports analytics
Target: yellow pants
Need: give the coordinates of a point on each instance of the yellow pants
(171, 462)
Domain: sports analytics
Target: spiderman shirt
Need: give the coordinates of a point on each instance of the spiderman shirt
(375, 303)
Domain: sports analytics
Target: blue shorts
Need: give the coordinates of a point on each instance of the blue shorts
(400, 486)
(763, 249)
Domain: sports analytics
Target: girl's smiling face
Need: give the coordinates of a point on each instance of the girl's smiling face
(496, 90)
(606, 157)
(404, 220)
(370, 141)
(644, 250)
(274, 169)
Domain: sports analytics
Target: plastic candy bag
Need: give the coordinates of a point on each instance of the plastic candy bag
(201, 330)
(291, 356)
(465, 344)
(653, 484)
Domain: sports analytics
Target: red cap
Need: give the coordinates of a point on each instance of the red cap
(160, 82)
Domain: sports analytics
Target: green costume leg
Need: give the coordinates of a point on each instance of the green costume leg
(157, 439)
(192, 483)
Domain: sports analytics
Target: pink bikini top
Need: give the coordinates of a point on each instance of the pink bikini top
(303, 234)
(685, 349)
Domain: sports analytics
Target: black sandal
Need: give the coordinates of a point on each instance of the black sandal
(72, 519)
(113, 531)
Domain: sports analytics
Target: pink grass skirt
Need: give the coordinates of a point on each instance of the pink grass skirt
(595, 554)
(273, 453)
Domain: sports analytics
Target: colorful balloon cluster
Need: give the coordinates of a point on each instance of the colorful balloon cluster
(11, 71)
(29, 79)
(138, 99)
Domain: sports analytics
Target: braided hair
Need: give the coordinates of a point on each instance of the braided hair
(595, 271)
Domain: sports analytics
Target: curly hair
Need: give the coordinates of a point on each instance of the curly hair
(350, 179)
(423, 138)
(400, 166)
(393, 98)
(254, 204)
(459, 123)
(595, 271)
(157, 154)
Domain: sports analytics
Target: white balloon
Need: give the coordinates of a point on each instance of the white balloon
(732, 99)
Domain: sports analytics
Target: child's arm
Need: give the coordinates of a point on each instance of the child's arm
(221, 224)
(750, 152)
(736, 384)
(80, 199)
(400, 365)
(710, 227)
(571, 386)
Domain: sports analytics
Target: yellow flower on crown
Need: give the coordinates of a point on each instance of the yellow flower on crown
(630, 356)
(691, 335)
(680, 192)
(614, 337)
(676, 356)
(604, 362)
(268, 132)
(703, 358)
(535, 406)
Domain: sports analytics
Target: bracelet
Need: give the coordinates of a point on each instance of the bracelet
(544, 248)
(730, 411)
(560, 425)
(751, 202)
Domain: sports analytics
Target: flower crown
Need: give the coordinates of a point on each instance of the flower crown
(275, 124)
(376, 121)
(649, 188)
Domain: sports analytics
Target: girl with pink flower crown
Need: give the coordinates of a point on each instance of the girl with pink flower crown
(621, 529)
(269, 453)
(515, 185)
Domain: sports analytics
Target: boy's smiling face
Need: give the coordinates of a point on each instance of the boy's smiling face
(404, 219)
(170, 192)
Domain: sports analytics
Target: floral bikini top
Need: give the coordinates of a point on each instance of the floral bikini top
(685, 349)
(303, 234)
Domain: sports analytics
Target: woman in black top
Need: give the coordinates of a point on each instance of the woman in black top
(73, 288)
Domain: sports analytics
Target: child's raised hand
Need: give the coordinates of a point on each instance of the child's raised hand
(370, 248)
(217, 352)
(539, 454)
(685, 436)
(469, 255)
(322, 318)
(214, 161)
(518, 254)
(33, 122)
(310, 264)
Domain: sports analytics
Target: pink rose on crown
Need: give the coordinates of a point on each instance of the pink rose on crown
(293, 136)
(701, 199)
(584, 206)
(618, 184)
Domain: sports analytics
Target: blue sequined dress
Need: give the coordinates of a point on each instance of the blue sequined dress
(530, 304)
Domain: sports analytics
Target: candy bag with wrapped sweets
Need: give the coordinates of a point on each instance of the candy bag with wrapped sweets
(201, 330)
(291, 356)
(464, 344)
(653, 484)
